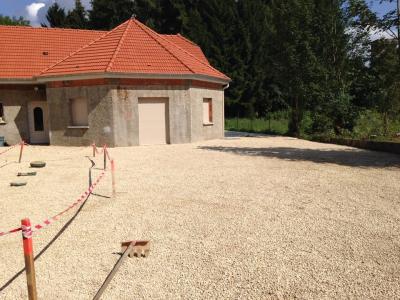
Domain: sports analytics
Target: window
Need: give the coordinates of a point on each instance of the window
(1, 114)
(79, 112)
(38, 119)
(207, 111)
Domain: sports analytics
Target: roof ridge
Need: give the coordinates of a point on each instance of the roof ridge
(83, 47)
(146, 29)
(118, 46)
(50, 28)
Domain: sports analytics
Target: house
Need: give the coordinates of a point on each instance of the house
(128, 86)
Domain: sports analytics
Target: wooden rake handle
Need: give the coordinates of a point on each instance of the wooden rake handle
(129, 250)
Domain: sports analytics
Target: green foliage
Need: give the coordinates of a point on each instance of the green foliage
(5, 20)
(370, 124)
(107, 14)
(77, 18)
(56, 16)
(275, 123)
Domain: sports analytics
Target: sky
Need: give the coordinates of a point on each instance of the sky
(35, 10)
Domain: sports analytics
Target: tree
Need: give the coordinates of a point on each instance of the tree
(5, 20)
(381, 84)
(385, 83)
(106, 14)
(295, 64)
(331, 105)
(56, 16)
(216, 26)
(77, 18)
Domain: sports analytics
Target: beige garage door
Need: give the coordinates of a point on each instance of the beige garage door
(153, 120)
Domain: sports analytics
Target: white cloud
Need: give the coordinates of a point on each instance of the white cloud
(66, 4)
(32, 12)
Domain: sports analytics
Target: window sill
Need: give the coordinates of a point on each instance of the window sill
(208, 124)
(78, 127)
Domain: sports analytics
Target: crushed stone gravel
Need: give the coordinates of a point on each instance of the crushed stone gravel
(244, 217)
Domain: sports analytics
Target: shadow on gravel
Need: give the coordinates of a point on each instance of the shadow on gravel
(352, 158)
(59, 233)
(37, 256)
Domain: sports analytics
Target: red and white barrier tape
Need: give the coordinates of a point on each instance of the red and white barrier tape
(97, 150)
(10, 231)
(84, 196)
(12, 147)
(102, 151)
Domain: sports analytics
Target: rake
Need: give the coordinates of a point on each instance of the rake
(131, 248)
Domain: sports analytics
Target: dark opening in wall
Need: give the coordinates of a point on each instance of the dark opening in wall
(1, 113)
(38, 119)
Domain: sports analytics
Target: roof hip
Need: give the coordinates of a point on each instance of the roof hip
(146, 29)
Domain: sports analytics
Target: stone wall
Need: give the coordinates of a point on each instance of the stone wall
(100, 116)
(15, 103)
(202, 131)
(185, 107)
(113, 114)
(126, 112)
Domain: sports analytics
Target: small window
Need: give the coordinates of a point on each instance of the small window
(38, 119)
(207, 111)
(79, 112)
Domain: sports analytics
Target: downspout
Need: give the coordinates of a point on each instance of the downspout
(223, 109)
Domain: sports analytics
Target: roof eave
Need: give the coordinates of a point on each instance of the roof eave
(18, 81)
(84, 76)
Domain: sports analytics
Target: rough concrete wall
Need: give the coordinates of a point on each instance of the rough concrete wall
(199, 130)
(100, 111)
(126, 112)
(15, 103)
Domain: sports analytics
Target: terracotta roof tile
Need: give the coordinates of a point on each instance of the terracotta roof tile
(134, 48)
(129, 48)
(22, 48)
(187, 45)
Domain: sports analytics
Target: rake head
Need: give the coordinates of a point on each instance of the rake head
(137, 248)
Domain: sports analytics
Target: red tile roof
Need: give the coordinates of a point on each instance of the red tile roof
(187, 45)
(26, 51)
(131, 48)
(134, 48)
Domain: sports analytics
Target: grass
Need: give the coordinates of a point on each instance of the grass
(369, 126)
(276, 126)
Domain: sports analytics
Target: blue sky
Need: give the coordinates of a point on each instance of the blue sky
(381, 8)
(35, 10)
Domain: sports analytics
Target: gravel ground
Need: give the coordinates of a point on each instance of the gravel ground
(245, 217)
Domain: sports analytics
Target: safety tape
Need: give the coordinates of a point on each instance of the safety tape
(102, 151)
(12, 147)
(26, 231)
(10, 231)
(82, 198)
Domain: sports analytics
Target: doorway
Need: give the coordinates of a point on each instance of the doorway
(153, 121)
(38, 122)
